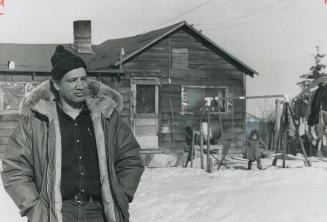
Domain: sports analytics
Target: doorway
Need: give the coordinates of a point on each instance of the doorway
(145, 112)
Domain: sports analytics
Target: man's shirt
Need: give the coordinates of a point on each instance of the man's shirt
(80, 168)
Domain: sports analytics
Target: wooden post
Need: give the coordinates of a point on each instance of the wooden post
(283, 133)
(192, 149)
(224, 154)
(228, 145)
(208, 101)
(307, 162)
(284, 140)
(310, 147)
(201, 147)
(171, 122)
(277, 125)
(280, 137)
(209, 170)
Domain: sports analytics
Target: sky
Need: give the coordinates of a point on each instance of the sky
(277, 38)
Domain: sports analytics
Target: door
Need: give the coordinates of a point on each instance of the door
(145, 112)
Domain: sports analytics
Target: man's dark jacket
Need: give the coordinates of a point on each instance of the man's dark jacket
(32, 162)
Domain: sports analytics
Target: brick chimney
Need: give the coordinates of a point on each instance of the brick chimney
(82, 36)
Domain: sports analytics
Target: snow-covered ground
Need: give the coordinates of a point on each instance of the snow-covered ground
(231, 194)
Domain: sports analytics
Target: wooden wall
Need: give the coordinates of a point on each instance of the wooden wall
(206, 68)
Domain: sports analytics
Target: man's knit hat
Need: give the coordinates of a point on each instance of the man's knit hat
(64, 61)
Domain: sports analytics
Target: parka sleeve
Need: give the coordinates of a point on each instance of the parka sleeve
(129, 166)
(17, 164)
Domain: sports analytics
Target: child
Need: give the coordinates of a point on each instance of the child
(189, 140)
(253, 151)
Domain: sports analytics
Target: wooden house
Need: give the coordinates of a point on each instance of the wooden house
(164, 76)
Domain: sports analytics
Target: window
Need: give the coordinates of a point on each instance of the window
(193, 98)
(12, 93)
(145, 98)
(180, 58)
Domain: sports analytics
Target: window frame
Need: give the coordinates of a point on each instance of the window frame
(145, 81)
(183, 111)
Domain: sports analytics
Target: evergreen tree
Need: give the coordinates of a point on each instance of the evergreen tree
(315, 71)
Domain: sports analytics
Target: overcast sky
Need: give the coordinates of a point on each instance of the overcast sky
(277, 38)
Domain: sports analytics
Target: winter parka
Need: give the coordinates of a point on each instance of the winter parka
(253, 151)
(32, 162)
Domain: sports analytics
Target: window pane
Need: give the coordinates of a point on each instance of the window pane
(193, 99)
(145, 98)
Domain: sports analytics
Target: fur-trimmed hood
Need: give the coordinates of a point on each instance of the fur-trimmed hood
(99, 97)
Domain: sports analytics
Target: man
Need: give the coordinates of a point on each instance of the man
(71, 158)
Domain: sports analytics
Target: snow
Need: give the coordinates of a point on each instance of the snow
(232, 194)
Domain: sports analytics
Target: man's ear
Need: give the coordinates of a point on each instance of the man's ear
(55, 84)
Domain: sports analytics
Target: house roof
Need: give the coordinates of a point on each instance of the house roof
(36, 57)
(27, 57)
(108, 52)
(31, 57)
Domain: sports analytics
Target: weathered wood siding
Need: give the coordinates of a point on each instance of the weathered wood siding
(206, 68)
(124, 89)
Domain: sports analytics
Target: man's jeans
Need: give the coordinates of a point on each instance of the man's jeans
(82, 212)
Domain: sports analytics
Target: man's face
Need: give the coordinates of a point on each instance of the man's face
(72, 87)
